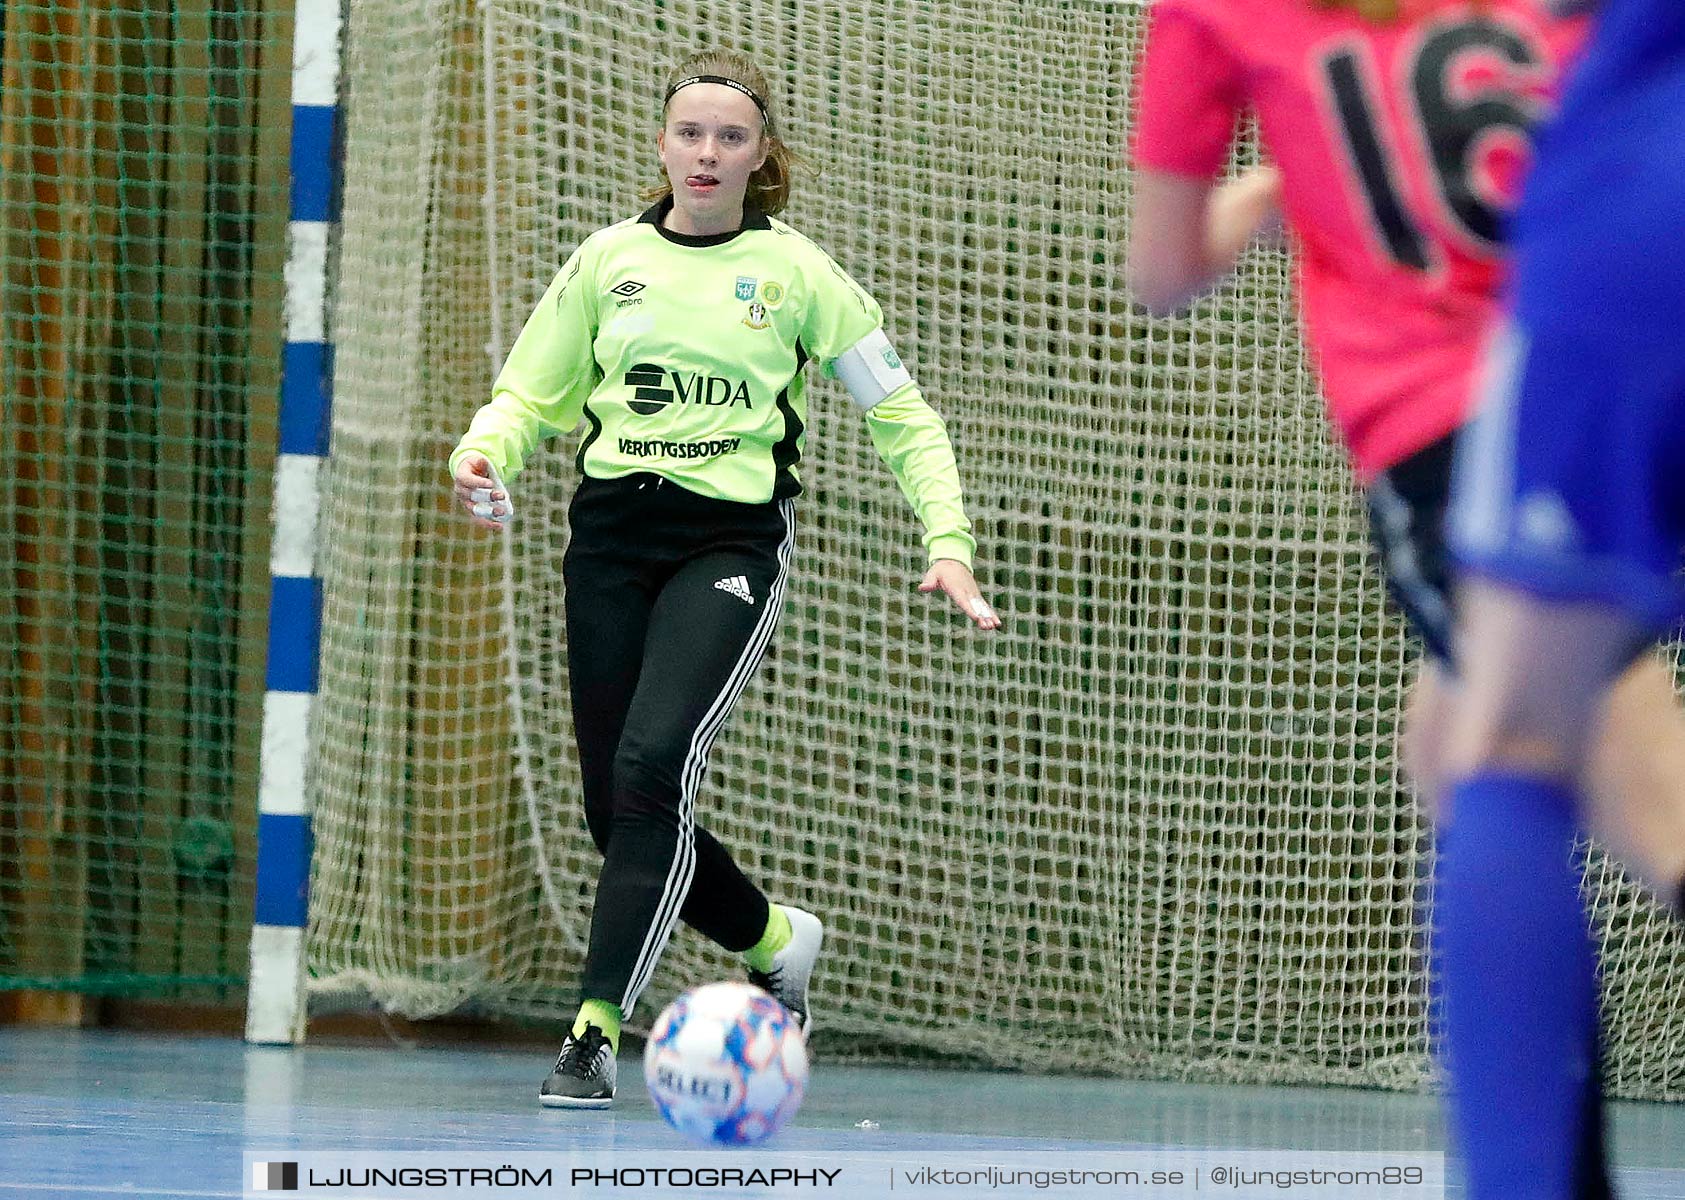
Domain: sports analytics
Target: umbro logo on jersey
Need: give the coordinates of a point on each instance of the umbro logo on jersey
(738, 586)
(629, 288)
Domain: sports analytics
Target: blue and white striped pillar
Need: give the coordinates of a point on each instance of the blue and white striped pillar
(275, 994)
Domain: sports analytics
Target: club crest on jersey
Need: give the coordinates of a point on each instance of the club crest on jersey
(772, 293)
(756, 318)
(746, 287)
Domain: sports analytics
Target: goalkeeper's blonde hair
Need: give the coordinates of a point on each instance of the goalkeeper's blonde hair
(769, 186)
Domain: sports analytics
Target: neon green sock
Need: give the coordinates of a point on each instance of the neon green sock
(776, 937)
(604, 1016)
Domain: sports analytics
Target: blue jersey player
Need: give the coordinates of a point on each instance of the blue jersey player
(1567, 521)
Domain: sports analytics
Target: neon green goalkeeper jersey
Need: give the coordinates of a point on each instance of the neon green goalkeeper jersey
(683, 355)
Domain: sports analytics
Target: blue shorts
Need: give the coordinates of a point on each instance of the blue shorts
(1570, 480)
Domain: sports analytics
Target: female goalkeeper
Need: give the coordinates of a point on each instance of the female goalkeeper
(679, 338)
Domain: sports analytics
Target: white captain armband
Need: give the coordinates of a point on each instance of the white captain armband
(871, 370)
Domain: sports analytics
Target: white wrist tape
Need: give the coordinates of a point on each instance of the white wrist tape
(501, 511)
(871, 370)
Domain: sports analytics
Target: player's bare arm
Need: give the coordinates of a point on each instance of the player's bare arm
(1186, 234)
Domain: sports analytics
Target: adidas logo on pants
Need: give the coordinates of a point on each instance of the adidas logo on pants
(738, 586)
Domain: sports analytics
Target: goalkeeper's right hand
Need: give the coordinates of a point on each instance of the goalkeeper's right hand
(481, 492)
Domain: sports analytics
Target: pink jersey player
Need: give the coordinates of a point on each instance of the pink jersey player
(1400, 147)
(1397, 145)
(1398, 142)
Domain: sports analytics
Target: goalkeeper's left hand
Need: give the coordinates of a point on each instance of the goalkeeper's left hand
(479, 490)
(955, 578)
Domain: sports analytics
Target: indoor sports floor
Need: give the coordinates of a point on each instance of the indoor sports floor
(114, 1113)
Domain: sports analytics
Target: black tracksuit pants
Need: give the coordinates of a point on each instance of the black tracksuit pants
(672, 598)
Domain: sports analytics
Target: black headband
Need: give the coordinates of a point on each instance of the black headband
(766, 117)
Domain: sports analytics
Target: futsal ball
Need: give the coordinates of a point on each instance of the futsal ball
(726, 1065)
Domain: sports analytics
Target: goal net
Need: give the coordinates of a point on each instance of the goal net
(143, 226)
(1152, 826)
